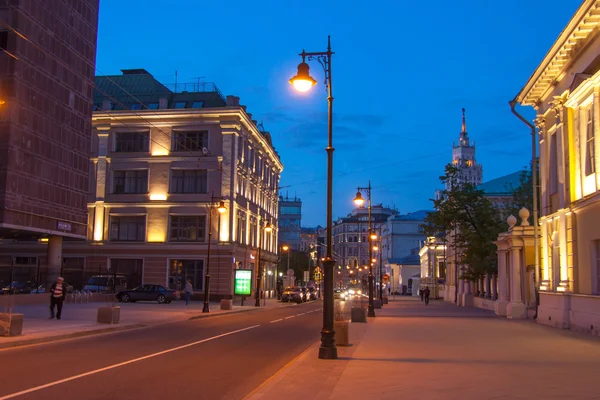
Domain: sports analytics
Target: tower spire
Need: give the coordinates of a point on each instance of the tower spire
(464, 122)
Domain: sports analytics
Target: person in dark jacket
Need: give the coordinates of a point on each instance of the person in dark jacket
(427, 293)
(58, 292)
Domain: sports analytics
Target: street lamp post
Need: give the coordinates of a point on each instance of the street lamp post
(221, 209)
(303, 82)
(259, 272)
(359, 201)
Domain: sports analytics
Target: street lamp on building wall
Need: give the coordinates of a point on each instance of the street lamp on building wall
(267, 228)
(220, 206)
(359, 201)
(303, 82)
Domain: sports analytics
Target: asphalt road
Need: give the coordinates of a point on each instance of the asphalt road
(224, 357)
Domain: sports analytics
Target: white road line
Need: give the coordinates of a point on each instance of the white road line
(300, 314)
(276, 320)
(96, 371)
(291, 316)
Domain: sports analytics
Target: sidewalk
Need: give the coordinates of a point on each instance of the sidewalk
(80, 319)
(444, 352)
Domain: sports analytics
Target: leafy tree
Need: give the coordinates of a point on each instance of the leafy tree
(298, 262)
(464, 209)
(522, 196)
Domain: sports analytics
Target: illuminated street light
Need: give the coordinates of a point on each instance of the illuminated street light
(221, 209)
(359, 200)
(303, 82)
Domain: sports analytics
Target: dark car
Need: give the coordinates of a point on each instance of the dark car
(293, 294)
(312, 293)
(19, 287)
(156, 293)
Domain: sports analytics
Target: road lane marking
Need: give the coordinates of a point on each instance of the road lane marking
(96, 371)
(276, 320)
(291, 316)
(300, 314)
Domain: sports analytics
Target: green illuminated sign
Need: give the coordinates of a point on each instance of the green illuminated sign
(243, 282)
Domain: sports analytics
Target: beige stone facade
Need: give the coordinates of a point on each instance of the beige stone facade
(158, 175)
(565, 92)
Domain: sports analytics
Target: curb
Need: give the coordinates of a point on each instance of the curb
(72, 335)
(209, 315)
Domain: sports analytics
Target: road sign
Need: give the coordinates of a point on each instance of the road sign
(318, 276)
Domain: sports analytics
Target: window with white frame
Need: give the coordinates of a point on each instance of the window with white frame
(590, 166)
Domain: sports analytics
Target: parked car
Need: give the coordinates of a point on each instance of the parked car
(312, 293)
(156, 293)
(106, 283)
(19, 287)
(293, 293)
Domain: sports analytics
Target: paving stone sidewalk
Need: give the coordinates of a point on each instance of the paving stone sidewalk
(444, 352)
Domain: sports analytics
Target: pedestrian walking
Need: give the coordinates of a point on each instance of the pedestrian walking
(58, 291)
(426, 293)
(421, 293)
(188, 291)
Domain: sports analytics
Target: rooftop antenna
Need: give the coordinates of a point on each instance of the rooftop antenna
(198, 80)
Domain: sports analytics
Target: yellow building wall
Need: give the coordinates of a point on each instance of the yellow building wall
(587, 225)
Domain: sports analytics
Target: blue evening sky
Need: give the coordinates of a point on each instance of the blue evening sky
(401, 74)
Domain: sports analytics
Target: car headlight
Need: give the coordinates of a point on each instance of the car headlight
(351, 291)
(360, 292)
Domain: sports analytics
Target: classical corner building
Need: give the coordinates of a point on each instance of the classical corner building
(163, 159)
(564, 90)
(45, 130)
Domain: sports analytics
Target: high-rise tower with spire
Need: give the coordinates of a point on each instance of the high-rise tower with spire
(463, 157)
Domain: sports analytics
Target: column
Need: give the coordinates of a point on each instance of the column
(487, 287)
(467, 297)
(494, 284)
(502, 302)
(516, 309)
(54, 259)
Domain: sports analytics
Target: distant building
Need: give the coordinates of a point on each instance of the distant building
(158, 157)
(350, 242)
(405, 274)
(463, 157)
(500, 190)
(290, 220)
(433, 267)
(47, 62)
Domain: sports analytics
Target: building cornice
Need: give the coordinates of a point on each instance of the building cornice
(582, 26)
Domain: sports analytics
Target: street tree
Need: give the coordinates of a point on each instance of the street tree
(474, 222)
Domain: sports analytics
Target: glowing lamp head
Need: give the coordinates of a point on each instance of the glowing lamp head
(303, 82)
(375, 248)
(358, 200)
(2, 102)
(268, 227)
(221, 209)
(373, 236)
(285, 247)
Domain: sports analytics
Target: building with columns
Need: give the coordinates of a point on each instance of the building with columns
(162, 161)
(45, 128)
(564, 90)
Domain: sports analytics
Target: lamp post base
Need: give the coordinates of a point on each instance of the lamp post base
(371, 312)
(205, 308)
(328, 353)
